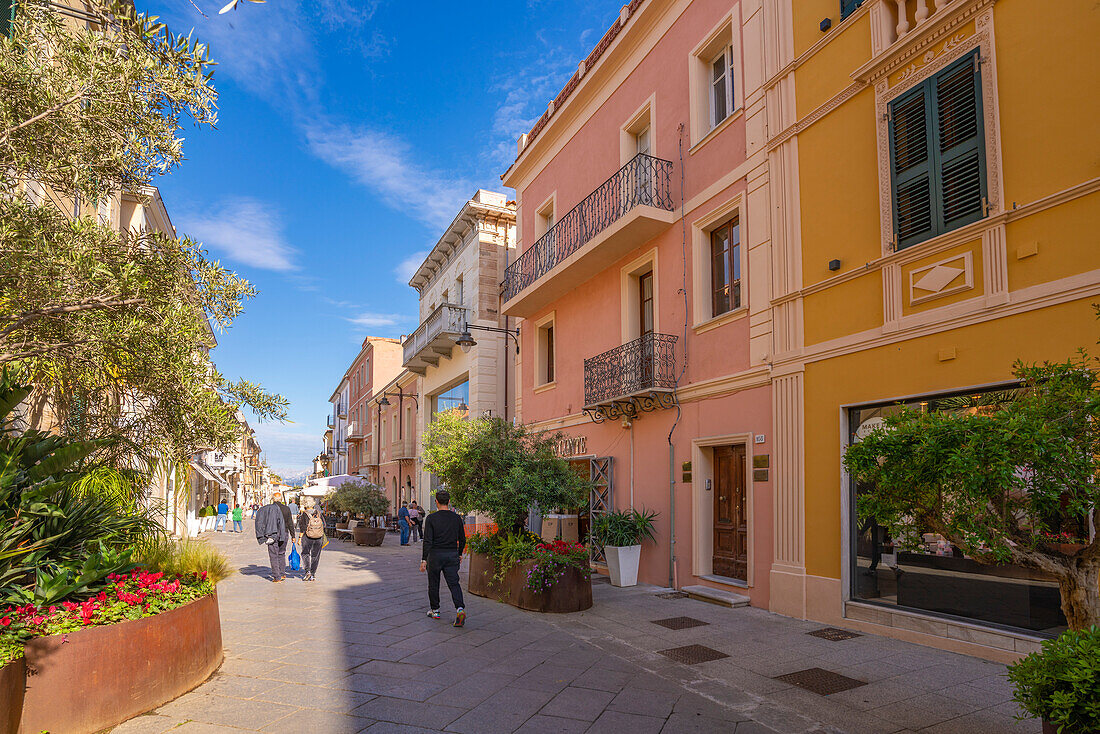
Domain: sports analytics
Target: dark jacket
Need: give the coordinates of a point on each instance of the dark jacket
(270, 524)
(288, 519)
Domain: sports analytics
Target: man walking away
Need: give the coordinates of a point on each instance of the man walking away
(293, 508)
(403, 522)
(273, 528)
(223, 515)
(238, 518)
(444, 541)
(311, 524)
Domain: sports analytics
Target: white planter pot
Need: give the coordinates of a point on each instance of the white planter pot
(622, 564)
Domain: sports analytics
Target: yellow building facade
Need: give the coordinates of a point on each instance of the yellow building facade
(935, 174)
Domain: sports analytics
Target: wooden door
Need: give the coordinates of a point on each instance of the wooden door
(731, 550)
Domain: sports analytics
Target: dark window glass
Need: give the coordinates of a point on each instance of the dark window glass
(725, 263)
(549, 354)
(645, 297)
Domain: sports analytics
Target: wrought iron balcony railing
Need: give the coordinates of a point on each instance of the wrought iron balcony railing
(643, 365)
(643, 181)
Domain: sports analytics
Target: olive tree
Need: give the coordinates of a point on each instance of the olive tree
(995, 480)
(499, 469)
(111, 327)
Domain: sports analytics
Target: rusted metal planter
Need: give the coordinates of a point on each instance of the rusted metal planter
(13, 681)
(368, 536)
(98, 677)
(573, 593)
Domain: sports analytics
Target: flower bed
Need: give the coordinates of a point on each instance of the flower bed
(145, 640)
(555, 578)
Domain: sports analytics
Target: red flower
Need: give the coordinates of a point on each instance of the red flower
(37, 620)
(5, 621)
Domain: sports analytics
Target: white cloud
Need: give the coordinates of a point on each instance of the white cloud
(408, 267)
(384, 164)
(369, 320)
(246, 231)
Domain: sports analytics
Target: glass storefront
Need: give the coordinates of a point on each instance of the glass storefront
(930, 575)
(452, 398)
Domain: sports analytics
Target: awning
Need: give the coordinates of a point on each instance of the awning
(203, 470)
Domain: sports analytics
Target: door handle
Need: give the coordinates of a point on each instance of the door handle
(721, 498)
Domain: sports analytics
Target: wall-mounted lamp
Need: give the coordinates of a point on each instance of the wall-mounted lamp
(466, 340)
(834, 265)
(826, 24)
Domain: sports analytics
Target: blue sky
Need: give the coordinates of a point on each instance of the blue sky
(349, 133)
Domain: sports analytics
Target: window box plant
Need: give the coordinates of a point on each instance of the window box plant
(360, 497)
(621, 533)
(1061, 683)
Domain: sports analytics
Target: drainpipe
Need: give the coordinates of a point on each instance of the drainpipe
(500, 301)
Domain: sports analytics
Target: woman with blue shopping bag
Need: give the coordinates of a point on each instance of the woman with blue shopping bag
(311, 526)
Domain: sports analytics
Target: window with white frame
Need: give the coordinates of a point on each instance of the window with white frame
(722, 102)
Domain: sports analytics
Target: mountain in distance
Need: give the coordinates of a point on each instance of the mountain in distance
(293, 477)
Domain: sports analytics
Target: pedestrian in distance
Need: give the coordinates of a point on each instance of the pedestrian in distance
(414, 522)
(275, 529)
(403, 522)
(293, 506)
(311, 524)
(444, 541)
(223, 515)
(238, 518)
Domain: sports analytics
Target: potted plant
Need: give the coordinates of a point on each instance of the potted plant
(621, 533)
(362, 497)
(1061, 684)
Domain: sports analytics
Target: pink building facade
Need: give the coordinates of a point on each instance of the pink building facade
(642, 285)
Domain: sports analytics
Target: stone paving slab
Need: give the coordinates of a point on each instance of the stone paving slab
(353, 652)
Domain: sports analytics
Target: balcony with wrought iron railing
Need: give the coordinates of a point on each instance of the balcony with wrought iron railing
(434, 338)
(331, 421)
(355, 431)
(636, 377)
(627, 210)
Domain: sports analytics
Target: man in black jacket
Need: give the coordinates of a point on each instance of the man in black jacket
(444, 541)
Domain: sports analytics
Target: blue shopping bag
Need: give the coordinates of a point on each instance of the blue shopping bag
(295, 559)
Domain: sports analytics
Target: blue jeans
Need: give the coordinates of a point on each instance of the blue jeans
(221, 522)
(238, 526)
(404, 525)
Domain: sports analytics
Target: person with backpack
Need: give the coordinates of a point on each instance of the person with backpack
(311, 524)
(444, 541)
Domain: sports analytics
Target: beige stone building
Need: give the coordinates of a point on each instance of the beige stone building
(459, 287)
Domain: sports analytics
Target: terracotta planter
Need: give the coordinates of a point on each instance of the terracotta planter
(13, 682)
(368, 536)
(98, 677)
(573, 593)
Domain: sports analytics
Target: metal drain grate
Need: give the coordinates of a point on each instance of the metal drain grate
(833, 634)
(820, 681)
(680, 623)
(692, 654)
(673, 595)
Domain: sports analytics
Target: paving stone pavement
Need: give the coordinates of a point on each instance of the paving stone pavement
(353, 652)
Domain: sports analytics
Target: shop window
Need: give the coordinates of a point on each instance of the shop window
(925, 573)
(937, 154)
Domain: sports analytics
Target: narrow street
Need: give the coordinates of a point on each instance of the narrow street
(353, 652)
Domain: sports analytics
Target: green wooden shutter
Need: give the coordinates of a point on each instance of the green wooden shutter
(847, 7)
(7, 15)
(911, 166)
(960, 145)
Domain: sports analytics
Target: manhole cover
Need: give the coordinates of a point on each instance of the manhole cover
(820, 681)
(680, 623)
(692, 654)
(673, 595)
(833, 634)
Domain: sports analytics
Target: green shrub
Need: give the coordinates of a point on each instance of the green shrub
(621, 528)
(182, 557)
(1062, 683)
(361, 497)
(495, 468)
(484, 543)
